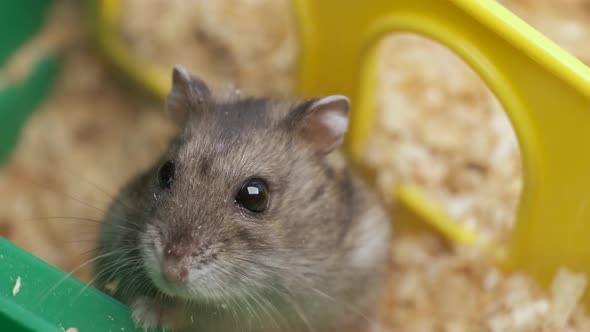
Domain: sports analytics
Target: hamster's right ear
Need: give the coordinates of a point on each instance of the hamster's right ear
(321, 122)
(188, 94)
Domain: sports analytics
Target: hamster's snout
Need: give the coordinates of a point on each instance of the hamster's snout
(175, 265)
(179, 260)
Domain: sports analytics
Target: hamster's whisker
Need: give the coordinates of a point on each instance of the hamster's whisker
(278, 268)
(241, 307)
(274, 312)
(103, 211)
(93, 236)
(52, 189)
(65, 277)
(126, 204)
(288, 297)
(82, 240)
(90, 283)
(86, 252)
(82, 219)
(259, 319)
(261, 301)
(136, 271)
(302, 281)
(236, 308)
(134, 222)
(119, 265)
(109, 242)
(67, 195)
(77, 175)
(244, 276)
(263, 308)
(107, 193)
(125, 261)
(144, 284)
(63, 218)
(119, 251)
(110, 195)
(301, 315)
(347, 306)
(235, 299)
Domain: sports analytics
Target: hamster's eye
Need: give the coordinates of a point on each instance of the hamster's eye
(253, 195)
(166, 174)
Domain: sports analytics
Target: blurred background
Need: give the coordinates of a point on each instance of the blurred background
(438, 127)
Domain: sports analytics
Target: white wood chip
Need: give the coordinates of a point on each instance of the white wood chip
(16, 288)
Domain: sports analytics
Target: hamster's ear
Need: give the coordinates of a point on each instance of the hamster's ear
(322, 122)
(188, 94)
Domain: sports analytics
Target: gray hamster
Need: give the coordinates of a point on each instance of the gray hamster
(252, 220)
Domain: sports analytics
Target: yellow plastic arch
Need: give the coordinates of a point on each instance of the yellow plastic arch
(545, 91)
(106, 15)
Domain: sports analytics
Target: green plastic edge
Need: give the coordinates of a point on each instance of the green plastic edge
(18, 102)
(19, 20)
(50, 300)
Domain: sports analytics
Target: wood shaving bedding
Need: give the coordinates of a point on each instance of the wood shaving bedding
(245, 43)
(438, 288)
(440, 128)
(16, 288)
(444, 130)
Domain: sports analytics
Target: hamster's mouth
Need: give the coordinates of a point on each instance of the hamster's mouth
(211, 280)
(168, 288)
(203, 284)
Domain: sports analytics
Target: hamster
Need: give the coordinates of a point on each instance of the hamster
(253, 220)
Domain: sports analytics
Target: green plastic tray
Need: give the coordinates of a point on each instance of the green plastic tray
(49, 300)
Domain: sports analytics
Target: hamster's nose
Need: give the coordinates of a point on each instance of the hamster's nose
(175, 265)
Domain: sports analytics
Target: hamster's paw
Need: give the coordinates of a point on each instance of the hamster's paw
(148, 313)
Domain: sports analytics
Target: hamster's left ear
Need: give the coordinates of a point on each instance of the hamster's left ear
(321, 122)
(188, 95)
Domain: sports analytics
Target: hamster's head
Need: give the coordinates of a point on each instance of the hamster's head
(242, 199)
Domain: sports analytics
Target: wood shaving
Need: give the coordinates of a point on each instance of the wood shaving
(439, 127)
(567, 289)
(439, 288)
(112, 287)
(16, 287)
(222, 41)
